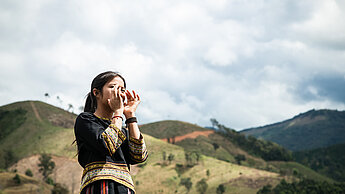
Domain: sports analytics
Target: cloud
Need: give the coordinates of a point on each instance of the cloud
(323, 87)
(245, 63)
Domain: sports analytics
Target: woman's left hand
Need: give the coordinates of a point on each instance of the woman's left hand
(133, 100)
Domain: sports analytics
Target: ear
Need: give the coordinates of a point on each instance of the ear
(95, 92)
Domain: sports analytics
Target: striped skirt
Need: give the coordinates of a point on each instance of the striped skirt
(106, 187)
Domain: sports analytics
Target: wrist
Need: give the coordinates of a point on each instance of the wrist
(129, 115)
(117, 113)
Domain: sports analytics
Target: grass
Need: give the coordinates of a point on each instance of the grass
(156, 178)
(36, 135)
(27, 185)
(45, 135)
(168, 129)
(289, 167)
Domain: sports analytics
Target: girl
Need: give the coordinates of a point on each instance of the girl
(105, 148)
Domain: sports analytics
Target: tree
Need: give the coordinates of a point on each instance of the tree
(164, 154)
(173, 140)
(70, 107)
(192, 158)
(220, 189)
(215, 146)
(46, 166)
(208, 173)
(28, 172)
(171, 157)
(239, 158)
(59, 99)
(17, 179)
(214, 123)
(46, 95)
(187, 183)
(201, 186)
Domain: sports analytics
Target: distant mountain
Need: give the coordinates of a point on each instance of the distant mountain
(328, 161)
(310, 130)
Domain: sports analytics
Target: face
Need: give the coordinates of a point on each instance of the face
(108, 88)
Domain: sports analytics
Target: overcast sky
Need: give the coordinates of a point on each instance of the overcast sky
(245, 63)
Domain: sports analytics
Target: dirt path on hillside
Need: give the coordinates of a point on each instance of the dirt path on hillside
(192, 135)
(35, 111)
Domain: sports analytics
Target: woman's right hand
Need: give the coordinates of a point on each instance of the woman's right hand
(116, 101)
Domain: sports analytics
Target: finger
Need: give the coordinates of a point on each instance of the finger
(123, 97)
(138, 97)
(119, 93)
(130, 96)
(134, 95)
(115, 91)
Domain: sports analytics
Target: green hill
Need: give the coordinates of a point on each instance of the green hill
(224, 143)
(214, 145)
(328, 161)
(33, 127)
(170, 129)
(162, 176)
(310, 130)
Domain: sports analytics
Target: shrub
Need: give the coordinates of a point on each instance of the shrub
(187, 183)
(220, 189)
(17, 179)
(28, 172)
(46, 165)
(201, 186)
(49, 181)
(59, 189)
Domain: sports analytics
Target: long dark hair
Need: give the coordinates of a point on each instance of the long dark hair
(98, 82)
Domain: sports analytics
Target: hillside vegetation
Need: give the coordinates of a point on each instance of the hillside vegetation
(186, 166)
(327, 161)
(214, 145)
(267, 150)
(33, 127)
(310, 130)
(163, 176)
(11, 182)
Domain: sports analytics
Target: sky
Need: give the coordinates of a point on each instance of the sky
(245, 63)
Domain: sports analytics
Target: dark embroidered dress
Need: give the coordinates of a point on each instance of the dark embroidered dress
(105, 152)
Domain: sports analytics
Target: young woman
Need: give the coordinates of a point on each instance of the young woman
(105, 148)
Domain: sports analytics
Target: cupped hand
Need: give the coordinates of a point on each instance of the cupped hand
(133, 100)
(116, 101)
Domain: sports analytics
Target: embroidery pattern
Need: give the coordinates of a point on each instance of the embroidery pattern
(137, 149)
(101, 170)
(113, 138)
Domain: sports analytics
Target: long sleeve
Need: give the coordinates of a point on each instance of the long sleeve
(96, 137)
(137, 149)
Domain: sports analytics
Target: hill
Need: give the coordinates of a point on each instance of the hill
(310, 130)
(197, 139)
(22, 184)
(47, 129)
(33, 127)
(328, 161)
(222, 143)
